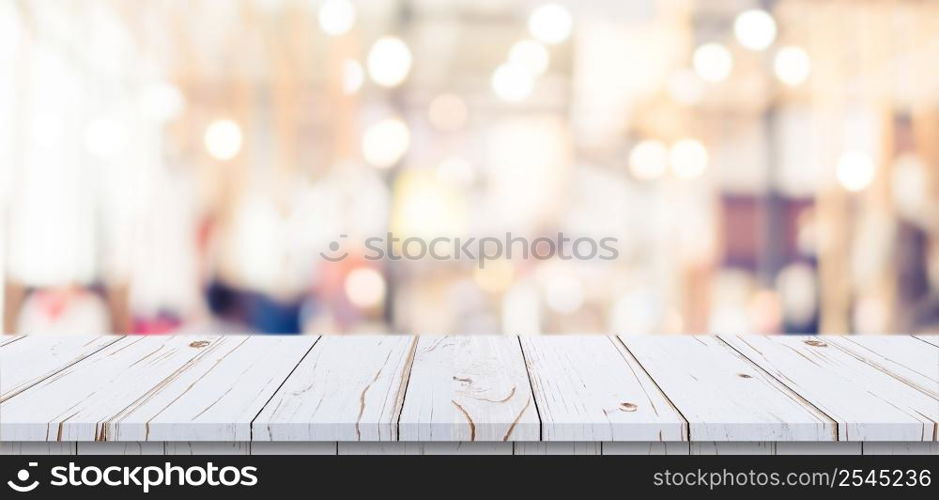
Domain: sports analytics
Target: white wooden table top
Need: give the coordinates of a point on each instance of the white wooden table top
(482, 388)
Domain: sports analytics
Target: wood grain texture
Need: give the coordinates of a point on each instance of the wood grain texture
(723, 396)
(432, 448)
(129, 448)
(929, 339)
(74, 404)
(905, 358)
(293, 448)
(867, 403)
(890, 448)
(29, 360)
(7, 339)
(469, 389)
(36, 448)
(206, 448)
(346, 389)
(640, 448)
(215, 398)
(558, 448)
(587, 389)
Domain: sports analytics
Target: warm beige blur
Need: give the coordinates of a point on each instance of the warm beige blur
(182, 165)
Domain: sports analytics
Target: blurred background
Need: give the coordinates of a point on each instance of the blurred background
(179, 165)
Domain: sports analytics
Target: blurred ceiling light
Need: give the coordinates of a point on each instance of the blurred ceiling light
(531, 55)
(223, 139)
(336, 17)
(550, 23)
(855, 170)
(365, 287)
(792, 66)
(564, 294)
(713, 62)
(447, 112)
(386, 142)
(353, 76)
(161, 101)
(456, 170)
(648, 160)
(389, 61)
(689, 158)
(512, 83)
(755, 29)
(104, 137)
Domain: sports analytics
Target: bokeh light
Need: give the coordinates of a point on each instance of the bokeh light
(223, 139)
(385, 142)
(713, 62)
(389, 61)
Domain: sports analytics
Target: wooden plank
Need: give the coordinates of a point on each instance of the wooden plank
(888, 448)
(431, 448)
(868, 404)
(30, 360)
(216, 397)
(73, 404)
(558, 448)
(732, 448)
(587, 389)
(903, 357)
(929, 339)
(9, 339)
(469, 389)
(207, 448)
(119, 448)
(640, 448)
(346, 389)
(293, 448)
(36, 448)
(810, 448)
(723, 396)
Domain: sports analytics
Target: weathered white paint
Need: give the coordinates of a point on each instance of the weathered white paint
(558, 448)
(887, 448)
(119, 448)
(639, 448)
(470, 448)
(723, 396)
(293, 448)
(810, 448)
(207, 448)
(867, 403)
(6, 339)
(468, 389)
(906, 358)
(26, 361)
(215, 397)
(929, 339)
(732, 448)
(345, 389)
(430, 448)
(588, 390)
(36, 448)
(408, 395)
(73, 404)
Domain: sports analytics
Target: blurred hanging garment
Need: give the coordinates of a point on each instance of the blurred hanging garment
(60, 311)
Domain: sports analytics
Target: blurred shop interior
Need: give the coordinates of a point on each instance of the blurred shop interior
(180, 166)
